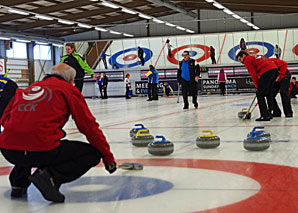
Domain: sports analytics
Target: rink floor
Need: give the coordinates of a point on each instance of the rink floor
(226, 179)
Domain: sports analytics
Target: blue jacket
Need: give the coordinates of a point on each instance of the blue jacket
(153, 77)
(3, 82)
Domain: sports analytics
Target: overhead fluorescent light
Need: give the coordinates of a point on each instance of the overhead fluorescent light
(180, 28)
(100, 29)
(108, 4)
(243, 20)
(21, 12)
(158, 21)
(128, 11)
(236, 16)
(209, 1)
(256, 28)
(42, 43)
(66, 22)
(58, 45)
(170, 25)
(250, 24)
(22, 40)
(93, 0)
(144, 16)
(218, 5)
(84, 25)
(128, 35)
(227, 11)
(190, 31)
(4, 38)
(114, 32)
(43, 17)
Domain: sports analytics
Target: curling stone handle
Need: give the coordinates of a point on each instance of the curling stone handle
(140, 125)
(257, 127)
(163, 139)
(208, 131)
(244, 110)
(142, 131)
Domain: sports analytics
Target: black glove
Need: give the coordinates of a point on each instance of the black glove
(111, 167)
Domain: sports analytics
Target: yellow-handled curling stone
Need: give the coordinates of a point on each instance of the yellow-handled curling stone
(135, 130)
(142, 138)
(208, 141)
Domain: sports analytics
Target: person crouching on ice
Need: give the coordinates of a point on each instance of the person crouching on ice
(167, 89)
(33, 131)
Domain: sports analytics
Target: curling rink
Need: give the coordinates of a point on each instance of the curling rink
(225, 179)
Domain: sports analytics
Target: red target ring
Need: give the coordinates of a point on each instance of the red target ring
(205, 56)
(130, 57)
(252, 51)
(295, 50)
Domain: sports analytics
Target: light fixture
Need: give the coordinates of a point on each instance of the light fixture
(170, 25)
(94, 0)
(100, 29)
(243, 20)
(43, 17)
(227, 11)
(158, 21)
(144, 16)
(84, 25)
(256, 28)
(180, 28)
(190, 31)
(58, 45)
(209, 1)
(128, 11)
(4, 38)
(22, 40)
(20, 12)
(65, 22)
(114, 32)
(218, 5)
(236, 16)
(128, 35)
(42, 43)
(108, 4)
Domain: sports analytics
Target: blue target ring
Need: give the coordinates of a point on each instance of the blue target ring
(233, 52)
(113, 59)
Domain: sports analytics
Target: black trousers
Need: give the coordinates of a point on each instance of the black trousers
(154, 92)
(222, 87)
(189, 88)
(167, 92)
(142, 60)
(79, 83)
(103, 91)
(126, 92)
(283, 88)
(150, 91)
(105, 63)
(265, 86)
(213, 60)
(170, 53)
(65, 163)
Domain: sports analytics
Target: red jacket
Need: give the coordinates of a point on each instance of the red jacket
(257, 65)
(34, 119)
(282, 66)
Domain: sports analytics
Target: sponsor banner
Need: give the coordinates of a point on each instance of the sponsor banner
(2, 67)
(142, 86)
(233, 85)
(113, 76)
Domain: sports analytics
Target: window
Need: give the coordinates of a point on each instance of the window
(18, 50)
(42, 52)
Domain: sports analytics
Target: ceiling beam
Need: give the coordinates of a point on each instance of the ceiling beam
(14, 2)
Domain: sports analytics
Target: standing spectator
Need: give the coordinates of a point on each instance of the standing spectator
(105, 85)
(169, 46)
(222, 78)
(293, 89)
(99, 81)
(150, 76)
(76, 61)
(104, 59)
(242, 44)
(263, 73)
(38, 140)
(212, 55)
(127, 85)
(281, 85)
(141, 55)
(167, 89)
(277, 51)
(188, 76)
(155, 82)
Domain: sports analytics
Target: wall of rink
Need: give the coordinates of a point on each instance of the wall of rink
(124, 52)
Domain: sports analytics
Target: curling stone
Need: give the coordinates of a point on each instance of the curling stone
(135, 130)
(259, 133)
(142, 138)
(208, 141)
(162, 147)
(255, 143)
(244, 113)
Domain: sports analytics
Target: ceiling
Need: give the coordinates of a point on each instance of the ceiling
(93, 13)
